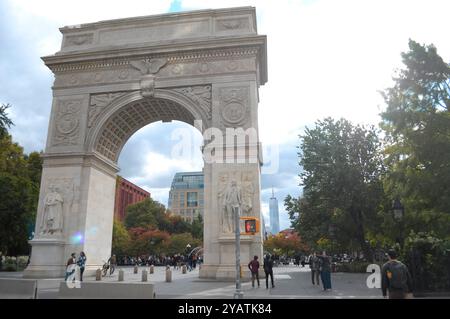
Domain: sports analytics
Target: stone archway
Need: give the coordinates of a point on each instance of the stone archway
(114, 77)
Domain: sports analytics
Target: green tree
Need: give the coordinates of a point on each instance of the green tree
(34, 166)
(287, 245)
(179, 242)
(417, 126)
(341, 173)
(144, 214)
(121, 239)
(148, 241)
(173, 224)
(12, 158)
(5, 121)
(19, 186)
(17, 208)
(197, 227)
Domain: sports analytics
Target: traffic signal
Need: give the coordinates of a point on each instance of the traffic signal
(251, 226)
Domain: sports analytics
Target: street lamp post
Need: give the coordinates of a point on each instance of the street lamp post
(399, 211)
(238, 294)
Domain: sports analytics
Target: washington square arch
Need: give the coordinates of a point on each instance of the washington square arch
(114, 77)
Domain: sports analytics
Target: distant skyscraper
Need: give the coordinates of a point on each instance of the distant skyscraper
(274, 216)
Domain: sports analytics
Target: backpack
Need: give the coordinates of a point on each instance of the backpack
(396, 275)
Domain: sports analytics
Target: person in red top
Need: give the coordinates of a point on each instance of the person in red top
(254, 269)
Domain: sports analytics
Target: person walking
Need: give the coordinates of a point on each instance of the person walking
(194, 260)
(254, 269)
(81, 262)
(112, 264)
(268, 270)
(314, 266)
(395, 278)
(70, 269)
(325, 271)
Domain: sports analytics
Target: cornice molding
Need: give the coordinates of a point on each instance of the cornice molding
(171, 58)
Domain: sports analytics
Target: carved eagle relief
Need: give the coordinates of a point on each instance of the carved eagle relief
(151, 66)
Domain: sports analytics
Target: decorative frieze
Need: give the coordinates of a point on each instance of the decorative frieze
(183, 57)
(150, 66)
(127, 74)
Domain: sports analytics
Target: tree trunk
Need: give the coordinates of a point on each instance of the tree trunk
(360, 236)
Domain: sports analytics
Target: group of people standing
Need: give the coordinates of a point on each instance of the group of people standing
(320, 266)
(268, 270)
(74, 262)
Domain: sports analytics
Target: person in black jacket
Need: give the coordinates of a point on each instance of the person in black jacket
(268, 269)
(395, 278)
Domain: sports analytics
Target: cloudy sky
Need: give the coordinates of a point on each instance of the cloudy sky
(325, 58)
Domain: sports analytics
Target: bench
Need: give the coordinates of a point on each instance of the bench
(13, 288)
(107, 290)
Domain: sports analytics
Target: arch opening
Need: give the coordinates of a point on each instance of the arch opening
(123, 123)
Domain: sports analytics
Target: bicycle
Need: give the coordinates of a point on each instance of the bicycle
(105, 268)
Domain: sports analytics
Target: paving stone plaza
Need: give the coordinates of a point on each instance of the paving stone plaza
(291, 282)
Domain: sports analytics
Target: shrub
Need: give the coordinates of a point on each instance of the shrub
(10, 264)
(428, 259)
(354, 267)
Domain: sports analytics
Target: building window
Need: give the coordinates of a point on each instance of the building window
(182, 200)
(192, 199)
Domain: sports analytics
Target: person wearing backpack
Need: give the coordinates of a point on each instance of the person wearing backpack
(395, 278)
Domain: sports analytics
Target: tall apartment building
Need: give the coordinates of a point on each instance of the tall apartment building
(186, 195)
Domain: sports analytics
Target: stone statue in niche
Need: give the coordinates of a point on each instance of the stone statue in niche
(222, 188)
(58, 203)
(52, 220)
(232, 205)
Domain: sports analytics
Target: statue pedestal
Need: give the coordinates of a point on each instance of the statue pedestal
(47, 259)
(225, 269)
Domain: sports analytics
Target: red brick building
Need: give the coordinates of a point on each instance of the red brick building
(289, 232)
(127, 193)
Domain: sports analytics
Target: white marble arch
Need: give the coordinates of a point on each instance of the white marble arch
(114, 77)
